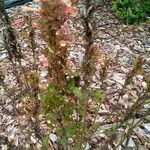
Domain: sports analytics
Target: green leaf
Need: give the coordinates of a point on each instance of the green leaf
(74, 74)
(69, 131)
(50, 117)
(67, 110)
(81, 110)
(45, 143)
(147, 102)
(94, 127)
(78, 93)
(98, 95)
(70, 87)
(63, 141)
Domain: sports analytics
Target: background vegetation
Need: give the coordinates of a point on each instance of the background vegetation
(131, 11)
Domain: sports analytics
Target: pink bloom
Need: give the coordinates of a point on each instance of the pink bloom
(72, 10)
(44, 61)
(66, 2)
(63, 30)
(35, 25)
(62, 43)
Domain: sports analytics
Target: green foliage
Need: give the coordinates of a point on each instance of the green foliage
(53, 96)
(45, 143)
(78, 93)
(67, 111)
(131, 11)
(98, 95)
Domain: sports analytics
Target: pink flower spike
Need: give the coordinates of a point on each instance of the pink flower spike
(45, 63)
(66, 2)
(72, 10)
(63, 30)
(62, 43)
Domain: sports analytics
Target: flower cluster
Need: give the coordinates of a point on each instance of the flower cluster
(55, 14)
(55, 30)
